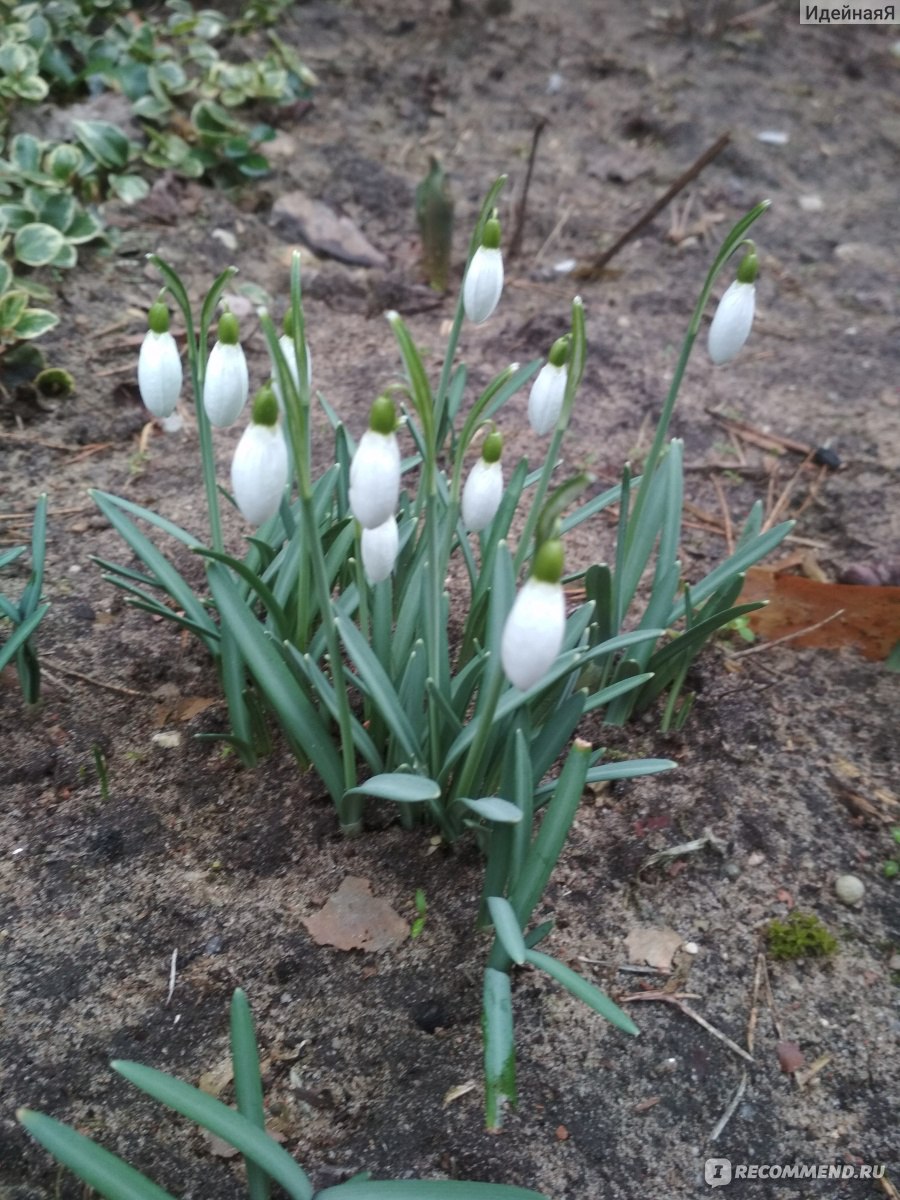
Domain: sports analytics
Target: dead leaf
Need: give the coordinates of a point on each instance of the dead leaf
(869, 620)
(217, 1079)
(354, 919)
(655, 947)
(461, 1089)
(180, 708)
(219, 1147)
(790, 1057)
(645, 1105)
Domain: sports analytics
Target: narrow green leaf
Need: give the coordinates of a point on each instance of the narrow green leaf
(20, 635)
(506, 927)
(280, 622)
(499, 1047)
(428, 1189)
(404, 789)
(582, 990)
(248, 1085)
(222, 1121)
(493, 808)
(107, 503)
(375, 680)
(104, 1172)
(298, 717)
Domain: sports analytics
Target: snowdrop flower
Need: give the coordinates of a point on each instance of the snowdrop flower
(533, 633)
(286, 342)
(380, 547)
(484, 278)
(548, 391)
(375, 469)
(159, 364)
(226, 382)
(733, 319)
(484, 488)
(259, 469)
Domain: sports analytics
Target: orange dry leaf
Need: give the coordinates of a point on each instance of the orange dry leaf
(869, 616)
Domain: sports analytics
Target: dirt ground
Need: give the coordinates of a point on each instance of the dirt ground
(192, 853)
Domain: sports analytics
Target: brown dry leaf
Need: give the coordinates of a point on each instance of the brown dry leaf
(181, 708)
(870, 616)
(354, 919)
(790, 1057)
(460, 1089)
(643, 1106)
(217, 1079)
(655, 947)
(218, 1146)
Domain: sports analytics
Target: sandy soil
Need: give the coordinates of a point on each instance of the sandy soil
(190, 852)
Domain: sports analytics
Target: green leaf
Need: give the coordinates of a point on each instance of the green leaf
(492, 808)
(66, 257)
(129, 188)
(25, 152)
(375, 680)
(222, 1121)
(105, 141)
(100, 1170)
(298, 717)
(499, 1047)
(57, 209)
(12, 305)
(37, 244)
(20, 636)
(506, 927)
(248, 1085)
(6, 277)
(582, 990)
(35, 322)
(63, 161)
(404, 789)
(429, 1189)
(83, 228)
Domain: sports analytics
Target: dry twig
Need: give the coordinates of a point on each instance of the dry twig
(676, 1000)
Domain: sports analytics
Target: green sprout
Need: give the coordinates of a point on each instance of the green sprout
(422, 910)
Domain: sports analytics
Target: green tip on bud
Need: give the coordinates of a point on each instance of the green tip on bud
(383, 417)
(493, 447)
(158, 318)
(548, 562)
(490, 238)
(559, 351)
(265, 407)
(749, 268)
(228, 329)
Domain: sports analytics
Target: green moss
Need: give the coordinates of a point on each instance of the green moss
(802, 935)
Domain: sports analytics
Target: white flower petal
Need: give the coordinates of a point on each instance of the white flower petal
(533, 633)
(226, 384)
(483, 284)
(380, 548)
(375, 478)
(259, 472)
(732, 322)
(159, 373)
(287, 348)
(545, 400)
(482, 495)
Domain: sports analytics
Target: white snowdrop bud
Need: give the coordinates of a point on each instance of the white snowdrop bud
(483, 284)
(259, 469)
(380, 547)
(733, 318)
(226, 383)
(159, 364)
(484, 487)
(548, 391)
(535, 628)
(286, 342)
(375, 469)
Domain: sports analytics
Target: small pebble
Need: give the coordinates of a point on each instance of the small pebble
(691, 948)
(773, 137)
(850, 889)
